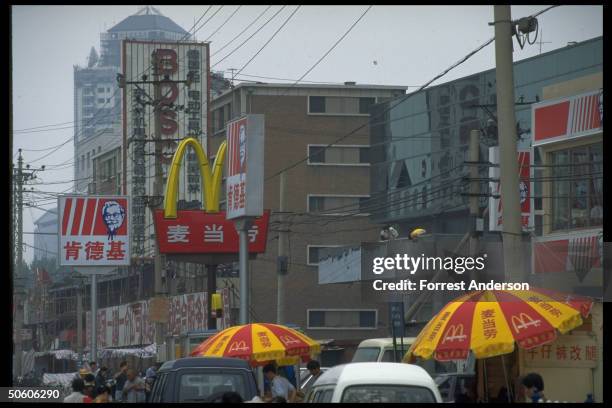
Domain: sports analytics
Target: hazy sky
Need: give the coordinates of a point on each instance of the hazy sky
(391, 45)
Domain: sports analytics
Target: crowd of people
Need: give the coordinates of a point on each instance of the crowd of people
(96, 385)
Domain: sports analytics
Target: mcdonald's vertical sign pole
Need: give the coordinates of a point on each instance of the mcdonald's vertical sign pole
(244, 192)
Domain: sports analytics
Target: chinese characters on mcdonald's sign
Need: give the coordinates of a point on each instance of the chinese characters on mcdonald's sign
(94, 230)
(195, 231)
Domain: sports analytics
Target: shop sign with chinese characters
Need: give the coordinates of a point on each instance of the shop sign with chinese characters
(195, 231)
(94, 230)
(566, 351)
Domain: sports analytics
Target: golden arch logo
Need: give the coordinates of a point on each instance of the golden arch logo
(239, 346)
(454, 333)
(211, 181)
(524, 321)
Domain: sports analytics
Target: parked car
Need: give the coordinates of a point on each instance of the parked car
(306, 379)
(371, 350)
(375, 382)
(203, 379)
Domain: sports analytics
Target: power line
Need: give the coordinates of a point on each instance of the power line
(242, 32)
(209, 18)
(223, 24)
(251, 36)
(333, 46)
(268, 42)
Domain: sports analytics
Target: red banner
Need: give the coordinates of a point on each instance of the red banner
(196, 231)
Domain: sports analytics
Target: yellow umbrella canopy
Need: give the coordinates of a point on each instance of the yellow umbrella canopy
(488, 323)
(260, 343)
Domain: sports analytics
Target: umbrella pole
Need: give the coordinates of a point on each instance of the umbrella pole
(508, 395)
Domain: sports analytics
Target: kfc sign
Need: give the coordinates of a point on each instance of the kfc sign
(94, 230)
(194, 231)
(567, 118)
(244, 193)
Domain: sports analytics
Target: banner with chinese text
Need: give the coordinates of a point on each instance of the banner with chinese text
(94, 230)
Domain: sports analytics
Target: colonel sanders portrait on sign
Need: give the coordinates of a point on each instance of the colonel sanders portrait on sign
(113, 215)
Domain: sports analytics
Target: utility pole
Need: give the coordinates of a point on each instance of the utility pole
(20, 177)
(79, 312)
(282, 263)
(474, 150)
(509, 173)
(160, 334)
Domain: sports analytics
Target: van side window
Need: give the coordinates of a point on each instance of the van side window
(158, 388)
(326, 396)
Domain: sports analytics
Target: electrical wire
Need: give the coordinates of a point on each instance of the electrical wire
(251, 36)
(223, 24)
(269, 40)
(242, 32)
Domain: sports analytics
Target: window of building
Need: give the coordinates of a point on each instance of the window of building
(100, 100)
(365, 104)
(338, 155)
(317, 104)
(100, 90)
(337, 204)
(355, 319)
(314, 252)
(88, 162)
(83, 162)
(577, 187)
(335, 105)
(107, 89)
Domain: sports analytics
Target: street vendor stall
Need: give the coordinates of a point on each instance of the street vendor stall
(488, 323)
(260, 344)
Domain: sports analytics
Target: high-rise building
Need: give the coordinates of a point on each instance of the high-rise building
(45, 245)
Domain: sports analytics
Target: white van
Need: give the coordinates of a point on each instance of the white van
(381, 350)
(375, 382)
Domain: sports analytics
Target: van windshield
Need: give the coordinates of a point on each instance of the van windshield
(366, 354)
(199, 386)
(388, 355)
(387, 393)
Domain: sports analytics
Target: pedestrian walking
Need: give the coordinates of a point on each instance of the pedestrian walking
(90, 386)
(104, 394)
(134, 387)
(120, 379)
(534, 387)
(77, 395)
(101, 377)
(280, 386)
(314, 367)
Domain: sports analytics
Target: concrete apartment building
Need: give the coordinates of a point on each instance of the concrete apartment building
(299, 121)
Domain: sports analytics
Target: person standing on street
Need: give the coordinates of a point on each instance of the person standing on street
(134, 387)
(534, 387)
(120, 379)
(314, 367)
(280, 386)
(77, 395)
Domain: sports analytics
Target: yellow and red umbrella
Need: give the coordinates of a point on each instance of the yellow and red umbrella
(260, 343)
(488, 323)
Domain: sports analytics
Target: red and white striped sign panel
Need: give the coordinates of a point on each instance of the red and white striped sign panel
(567, 118)
(94, 230)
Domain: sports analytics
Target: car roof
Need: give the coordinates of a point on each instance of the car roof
(377, 373)
(204, 362)
(384, 342)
